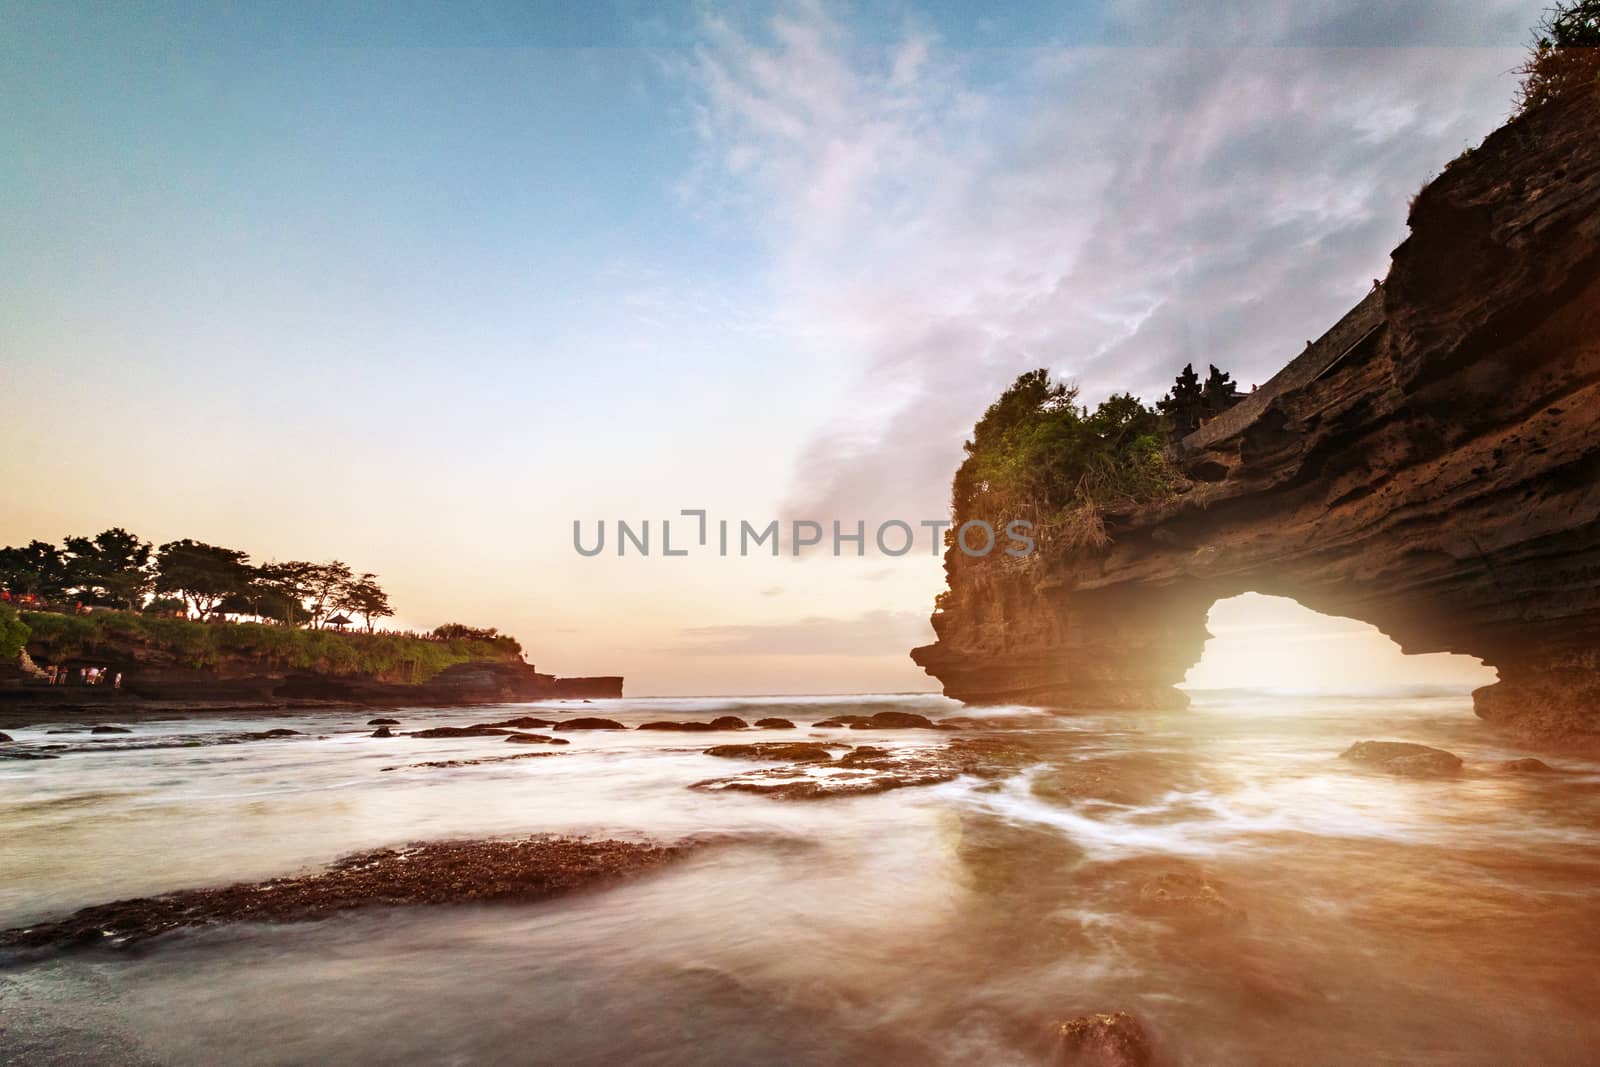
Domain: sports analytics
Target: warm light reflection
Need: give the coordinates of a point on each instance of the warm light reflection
(1268, 642)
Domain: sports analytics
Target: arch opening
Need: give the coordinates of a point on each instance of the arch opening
(1274, 644)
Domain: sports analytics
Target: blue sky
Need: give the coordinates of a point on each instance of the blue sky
(417, 285)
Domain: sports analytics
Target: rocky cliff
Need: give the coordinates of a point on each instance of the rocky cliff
(1432, 466)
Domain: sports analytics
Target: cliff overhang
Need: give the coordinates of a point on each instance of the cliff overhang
(1430, 465)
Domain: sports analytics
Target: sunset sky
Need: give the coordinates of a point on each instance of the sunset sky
(416, 290)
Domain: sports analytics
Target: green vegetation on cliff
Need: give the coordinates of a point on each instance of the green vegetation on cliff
(1036, 454)
(386, 657)
(13, 632)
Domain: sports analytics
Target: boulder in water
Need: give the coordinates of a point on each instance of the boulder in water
(789, 752)
(480, 730)
(589, 724)
(893, 720)
(109, 730)
(1105, 1039)
(382, 731)
(774, 724)
(1404, 758)
(383, 722)
(530, 739)
(1525, 765)
(5, 738)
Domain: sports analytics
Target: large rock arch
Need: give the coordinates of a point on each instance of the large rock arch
(1430, 466)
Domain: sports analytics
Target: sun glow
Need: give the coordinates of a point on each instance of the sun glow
(1267, 642)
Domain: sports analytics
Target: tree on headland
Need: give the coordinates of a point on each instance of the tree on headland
(1184, 405)
(36, 569)
(1039, 456)
(204, 575)
(323, 584)
(112, 567)
(117, 569)
(363, 596)
(1565, 55)
(1219, 393)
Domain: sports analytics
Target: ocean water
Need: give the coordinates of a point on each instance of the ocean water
(1370, 919)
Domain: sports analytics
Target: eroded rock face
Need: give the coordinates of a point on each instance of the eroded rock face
(1430, 467)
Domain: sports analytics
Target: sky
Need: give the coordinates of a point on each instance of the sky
(417, 286)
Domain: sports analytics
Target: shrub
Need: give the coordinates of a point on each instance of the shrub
(1037, 455)
(1565, 55)
(13, 632)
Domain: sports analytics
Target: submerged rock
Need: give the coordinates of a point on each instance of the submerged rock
(18, 754)
(383, 722)
(883, 720)
(1525, 765)
(479, 730)
(382, 731)
(875, 771)
(774, 724)
(1404, 758)
(535, 739)
(109, 730)
(440, 872)
(4, 738)
(791, 752)
(726, 722)
(590, 724)
(1107, 1039)
(526, 722)
(447, 763)
(1187, 894)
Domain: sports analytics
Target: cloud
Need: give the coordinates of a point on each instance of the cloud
(1111, 212)
(875, 633)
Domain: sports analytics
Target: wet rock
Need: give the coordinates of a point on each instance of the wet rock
(109, 730)
(894, 720)
(1187, 894)
(447, 763)
(383, 722)
(262, 735)
(883, 720)
(4, 738)
(982, 757)
(726, 722)
(1108, 1039)
(774, 724)
(791, 752)
(1129, 779)
(526, 722)
(531, 739)
(590, 724)
(1403, 758)
(440, 872)
(1525, 765)
(382, 731)
(461, 731)
(862, 754)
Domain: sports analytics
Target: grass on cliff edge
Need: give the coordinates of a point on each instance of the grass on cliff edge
(384, 657)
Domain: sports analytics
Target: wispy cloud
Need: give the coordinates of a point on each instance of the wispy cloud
(1111, 213)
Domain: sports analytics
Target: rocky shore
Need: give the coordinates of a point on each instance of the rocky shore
(434, 873)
